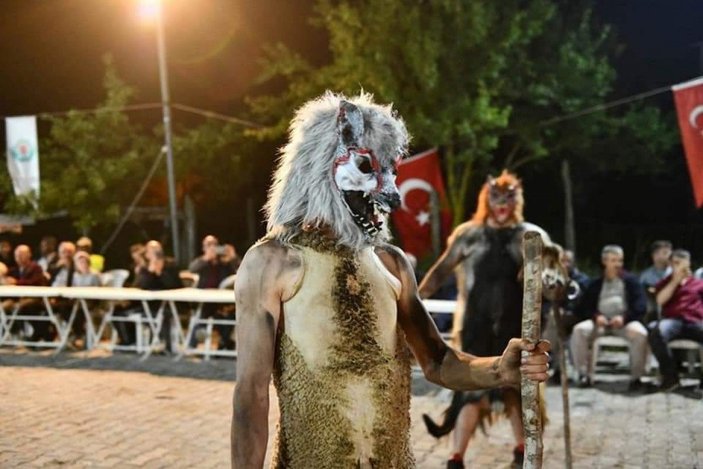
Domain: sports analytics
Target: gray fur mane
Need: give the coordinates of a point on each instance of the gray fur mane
(303, 194)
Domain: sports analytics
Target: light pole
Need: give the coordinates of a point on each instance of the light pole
(153, 9)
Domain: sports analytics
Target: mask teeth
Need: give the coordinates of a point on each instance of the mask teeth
(369, 227)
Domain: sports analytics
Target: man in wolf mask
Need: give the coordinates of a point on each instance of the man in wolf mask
(329, 308)
(486, 252)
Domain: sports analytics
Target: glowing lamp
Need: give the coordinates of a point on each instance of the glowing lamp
(149, 10)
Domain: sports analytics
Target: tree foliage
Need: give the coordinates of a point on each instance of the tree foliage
(568, 71)
(93, 163)
(479, 79)
(443, 63)
(215, 162)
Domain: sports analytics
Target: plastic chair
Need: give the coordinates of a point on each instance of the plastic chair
(189, 279)
(611, 341)
(692, 349)
(227, 283)
(197, 322)
(114, 278)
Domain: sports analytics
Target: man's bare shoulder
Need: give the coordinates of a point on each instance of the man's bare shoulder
(270, 253)
(273, 267)
(394, 259)
(468, 227)
(466, 231)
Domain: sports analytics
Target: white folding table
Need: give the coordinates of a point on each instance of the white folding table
(200, 296)
(152, 319)
(7, 319)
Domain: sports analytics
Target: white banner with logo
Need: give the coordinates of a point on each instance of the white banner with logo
(23, 154)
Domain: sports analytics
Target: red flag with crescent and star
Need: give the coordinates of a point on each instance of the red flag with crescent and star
(689, 107)
(419, 176)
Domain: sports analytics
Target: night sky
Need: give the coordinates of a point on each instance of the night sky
(52, 49)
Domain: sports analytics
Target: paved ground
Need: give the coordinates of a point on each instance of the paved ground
(114, 411)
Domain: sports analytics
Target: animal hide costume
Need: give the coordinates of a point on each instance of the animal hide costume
(489, 306)
(342, 367)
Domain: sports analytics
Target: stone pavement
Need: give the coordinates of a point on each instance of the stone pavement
(97, 410)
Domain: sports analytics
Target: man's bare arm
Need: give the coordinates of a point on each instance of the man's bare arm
(268, 272)
(442, 364)
(441, 269)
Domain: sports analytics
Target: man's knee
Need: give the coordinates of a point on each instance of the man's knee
(636, 332)
(583, 326)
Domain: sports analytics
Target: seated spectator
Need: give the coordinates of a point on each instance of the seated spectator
(212, 268)
(80, 273)
(680, 296)
(28, 272)
(660, 268)
(137, 252)
(159, 273)
(569, 318)
(47, 249)
(97, 262)
(569, 261)
(230, 256)
(614, 303)
(77, 274)
(7, 256)
(64, 264)
(3, 274)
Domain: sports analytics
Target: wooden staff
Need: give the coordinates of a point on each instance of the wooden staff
(561, 334)
(531, 329)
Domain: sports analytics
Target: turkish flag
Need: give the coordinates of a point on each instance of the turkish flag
(689, 107)
(419, 176)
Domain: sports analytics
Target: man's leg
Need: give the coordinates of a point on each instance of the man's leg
(659, 336)
(43, 330)
(513, 406)
(636, 334)
(225, 331)
(465, 427)
(552, 335)
(692, 331)
(208, 310)
(580, 341)
(8, 306)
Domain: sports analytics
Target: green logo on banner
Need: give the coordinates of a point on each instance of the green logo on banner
(22, 151)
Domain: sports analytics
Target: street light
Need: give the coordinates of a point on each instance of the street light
(152, 10)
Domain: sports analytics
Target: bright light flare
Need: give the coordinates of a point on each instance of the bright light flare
(149, 10)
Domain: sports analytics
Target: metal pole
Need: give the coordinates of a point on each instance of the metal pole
(436, 224)
(166, 103)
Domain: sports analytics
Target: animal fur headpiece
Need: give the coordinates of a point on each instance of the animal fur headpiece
(337, 171)
(506, 188)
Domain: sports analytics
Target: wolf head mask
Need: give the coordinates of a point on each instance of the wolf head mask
(337, 171)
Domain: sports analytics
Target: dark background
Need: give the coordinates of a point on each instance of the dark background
(51, 60)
